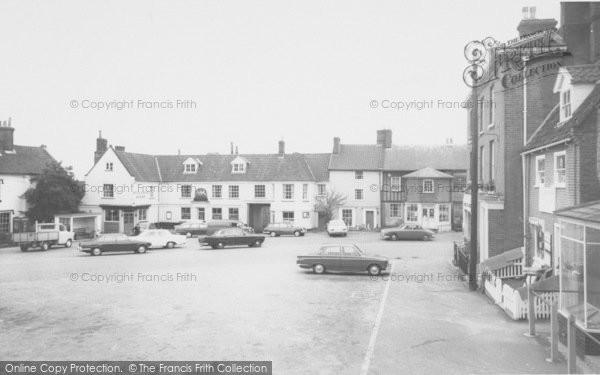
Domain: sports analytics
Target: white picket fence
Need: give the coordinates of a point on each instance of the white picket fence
(510, 300)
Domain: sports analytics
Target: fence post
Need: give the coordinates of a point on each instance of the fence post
(553, 334)
(530, 311)
(571, 346)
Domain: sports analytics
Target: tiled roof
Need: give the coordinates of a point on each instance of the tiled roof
(584, 73)
(215, 167)
(357, 157)
(410, 158)
(427, 173)
(141, 166)
(318, 164)
(25, 160)
(551, 131)
(586, 212)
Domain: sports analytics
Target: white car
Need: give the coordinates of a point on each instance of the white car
(337, 228)
(161, 238)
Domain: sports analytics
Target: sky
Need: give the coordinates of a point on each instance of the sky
(193, 76)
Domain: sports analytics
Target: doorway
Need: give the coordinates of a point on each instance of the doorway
(370, 219)
(128, 222)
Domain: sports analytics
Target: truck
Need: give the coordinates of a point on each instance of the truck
(45, 236)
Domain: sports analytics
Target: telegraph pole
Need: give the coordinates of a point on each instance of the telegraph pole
(474, 181)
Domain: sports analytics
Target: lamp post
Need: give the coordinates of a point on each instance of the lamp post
(474, 181)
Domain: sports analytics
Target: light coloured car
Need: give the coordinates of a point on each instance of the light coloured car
(161, 238)
(337, 228)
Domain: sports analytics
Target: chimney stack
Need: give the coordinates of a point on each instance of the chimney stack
(231, 151)
(384, 138)
(120, 148)
(530, 25)
(101, 147)
(236, 150)
(7, 136)
(336, 145)
(281, 147)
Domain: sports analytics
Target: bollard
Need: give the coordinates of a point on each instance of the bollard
(530, 311)
(553, 334)
(571, 346)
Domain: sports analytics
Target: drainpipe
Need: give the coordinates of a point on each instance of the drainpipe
(524, 164)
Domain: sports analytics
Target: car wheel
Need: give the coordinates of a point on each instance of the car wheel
(141, 249)
(68, 243)
(425, 238)
(258, 243)
(24, 247)
(45, 246)
(220, 245)
(214, 246)
(273, 234)
(188, 235)
(96, 252)
(345, 234)
(394, 237)
(297, 233)
(319, 269)
(374, 270)
(170, 245)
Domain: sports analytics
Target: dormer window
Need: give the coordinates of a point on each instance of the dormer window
(191, 165)
(239, 165)
(565, 104)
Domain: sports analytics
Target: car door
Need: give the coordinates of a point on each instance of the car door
(351, 261)
(288, 228)
(238, 236)
(332, 258)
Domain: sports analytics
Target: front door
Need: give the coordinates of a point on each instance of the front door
(128, 222)
(370, 219)
(428, 216)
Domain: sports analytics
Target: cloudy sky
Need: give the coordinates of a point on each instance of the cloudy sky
(257, 71)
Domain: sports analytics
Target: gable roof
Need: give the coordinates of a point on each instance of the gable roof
(410, 158)
(551, 131)
(215, 167)
(141, 166)
(589, 73)
(26, 160)
(357, 157)
(427, 172)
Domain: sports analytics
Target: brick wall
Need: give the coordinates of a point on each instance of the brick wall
(496, 239)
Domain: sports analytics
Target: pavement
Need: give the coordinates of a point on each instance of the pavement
(255, 304)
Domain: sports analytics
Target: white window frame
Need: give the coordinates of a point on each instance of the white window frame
(238, 168)
(234, 191)
(441, 208)
(538, 180)
(185, 193)
(349, 223)
(492, 109)
(105, 191)
(109, 166)
(285, 192)
(321, 190)
(432, 186)
(188, 213)
(304, 192)
(556, 182)
(288, 220)
(235, 216)
(260, 188)
(215, 189)
(359, 175)
(395, 186)
(416, 206)
(201, 210)
(566, 103)
(189, 168)
(359, 194)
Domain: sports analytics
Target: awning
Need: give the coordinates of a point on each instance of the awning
(586, 212)
(123, 206)
(502, 260)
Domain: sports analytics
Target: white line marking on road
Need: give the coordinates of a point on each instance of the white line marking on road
(367, 361)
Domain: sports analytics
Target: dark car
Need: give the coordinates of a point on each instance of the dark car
(343, 258)
(191, 228)
(278, 229)
(232, 237)
(407, 232)
(113, 242)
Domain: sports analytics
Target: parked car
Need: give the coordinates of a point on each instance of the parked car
(45, 236)
(162, 238)
(343, 258)
(337, 228)
(232, 236)
(192, 228)
(407, 232)
(278, 229)
(114, 242)
(216, 225)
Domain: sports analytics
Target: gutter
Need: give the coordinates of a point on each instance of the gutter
(547, 146)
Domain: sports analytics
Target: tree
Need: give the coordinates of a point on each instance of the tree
(330, 203)
(54, 191)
